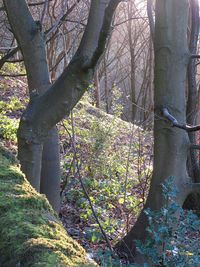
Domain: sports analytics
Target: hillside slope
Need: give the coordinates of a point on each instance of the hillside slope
(113, 158)
(30, 231)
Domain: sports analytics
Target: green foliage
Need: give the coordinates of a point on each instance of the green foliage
(8, 122)
(14, 104)
(102, 146)
(8, 127)
(171, 240)
(106, 259)
(117, 107)
(13, 68)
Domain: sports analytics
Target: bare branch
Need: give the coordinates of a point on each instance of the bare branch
(194, 56)
(124, 21)
(88, 48)
(13, 75)
(30, 40)
(150, 18)
(7, 47)
(38, 3)
(175, 123)
(61, 20)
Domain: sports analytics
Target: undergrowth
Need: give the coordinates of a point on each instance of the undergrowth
(114, 161)
(172, 233)
(113, 158)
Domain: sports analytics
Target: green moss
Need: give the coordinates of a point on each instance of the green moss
(30, 231)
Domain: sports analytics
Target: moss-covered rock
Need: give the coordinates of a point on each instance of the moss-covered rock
(30, 231)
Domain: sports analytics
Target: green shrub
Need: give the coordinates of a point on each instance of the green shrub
(171, 240)
(8, 127)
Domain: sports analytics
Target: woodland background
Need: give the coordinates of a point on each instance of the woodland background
(106, 142)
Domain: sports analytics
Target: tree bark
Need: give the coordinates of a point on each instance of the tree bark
(170, 144)
(50, 103)
(50, 173)
(32, 44)
(192, 101)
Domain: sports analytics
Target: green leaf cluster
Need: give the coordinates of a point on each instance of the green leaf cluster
(170, 239)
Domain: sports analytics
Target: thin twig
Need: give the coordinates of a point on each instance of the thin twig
(13, 75)
(127, 163)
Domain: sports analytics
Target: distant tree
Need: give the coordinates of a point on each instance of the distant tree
(171, 144)
(38, 149)
(127, 63)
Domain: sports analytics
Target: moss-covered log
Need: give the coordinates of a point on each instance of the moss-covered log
(30, 231)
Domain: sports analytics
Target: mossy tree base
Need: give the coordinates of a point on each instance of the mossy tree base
(30, 231)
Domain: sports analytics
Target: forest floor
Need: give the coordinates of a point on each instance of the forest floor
(101, 156)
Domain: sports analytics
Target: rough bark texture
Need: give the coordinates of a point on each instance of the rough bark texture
(33, 235)
(170, 144)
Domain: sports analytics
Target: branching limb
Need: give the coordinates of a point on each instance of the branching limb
(61, 20)
(195, 56)
(175, 123)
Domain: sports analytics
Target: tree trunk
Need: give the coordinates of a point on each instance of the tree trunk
(38, 82)
(192, 101)
(51, 103)
(132, 65)
(97, 88)
(170, 144)
(50, 173)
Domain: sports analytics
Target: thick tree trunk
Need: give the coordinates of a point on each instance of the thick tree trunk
(192, 101)
(50, 103)
(31, 151)
(50, 174)
(170, 144)
(30, 160)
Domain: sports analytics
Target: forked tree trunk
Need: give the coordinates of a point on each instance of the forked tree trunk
(170, 144)
(50, 103)
(32, 160)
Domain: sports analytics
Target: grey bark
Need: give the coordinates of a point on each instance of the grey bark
(50, 103)
(31, 41)
(192, 101)
(50, 172)
(151, 18)
(171, 144)
(132, 66)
